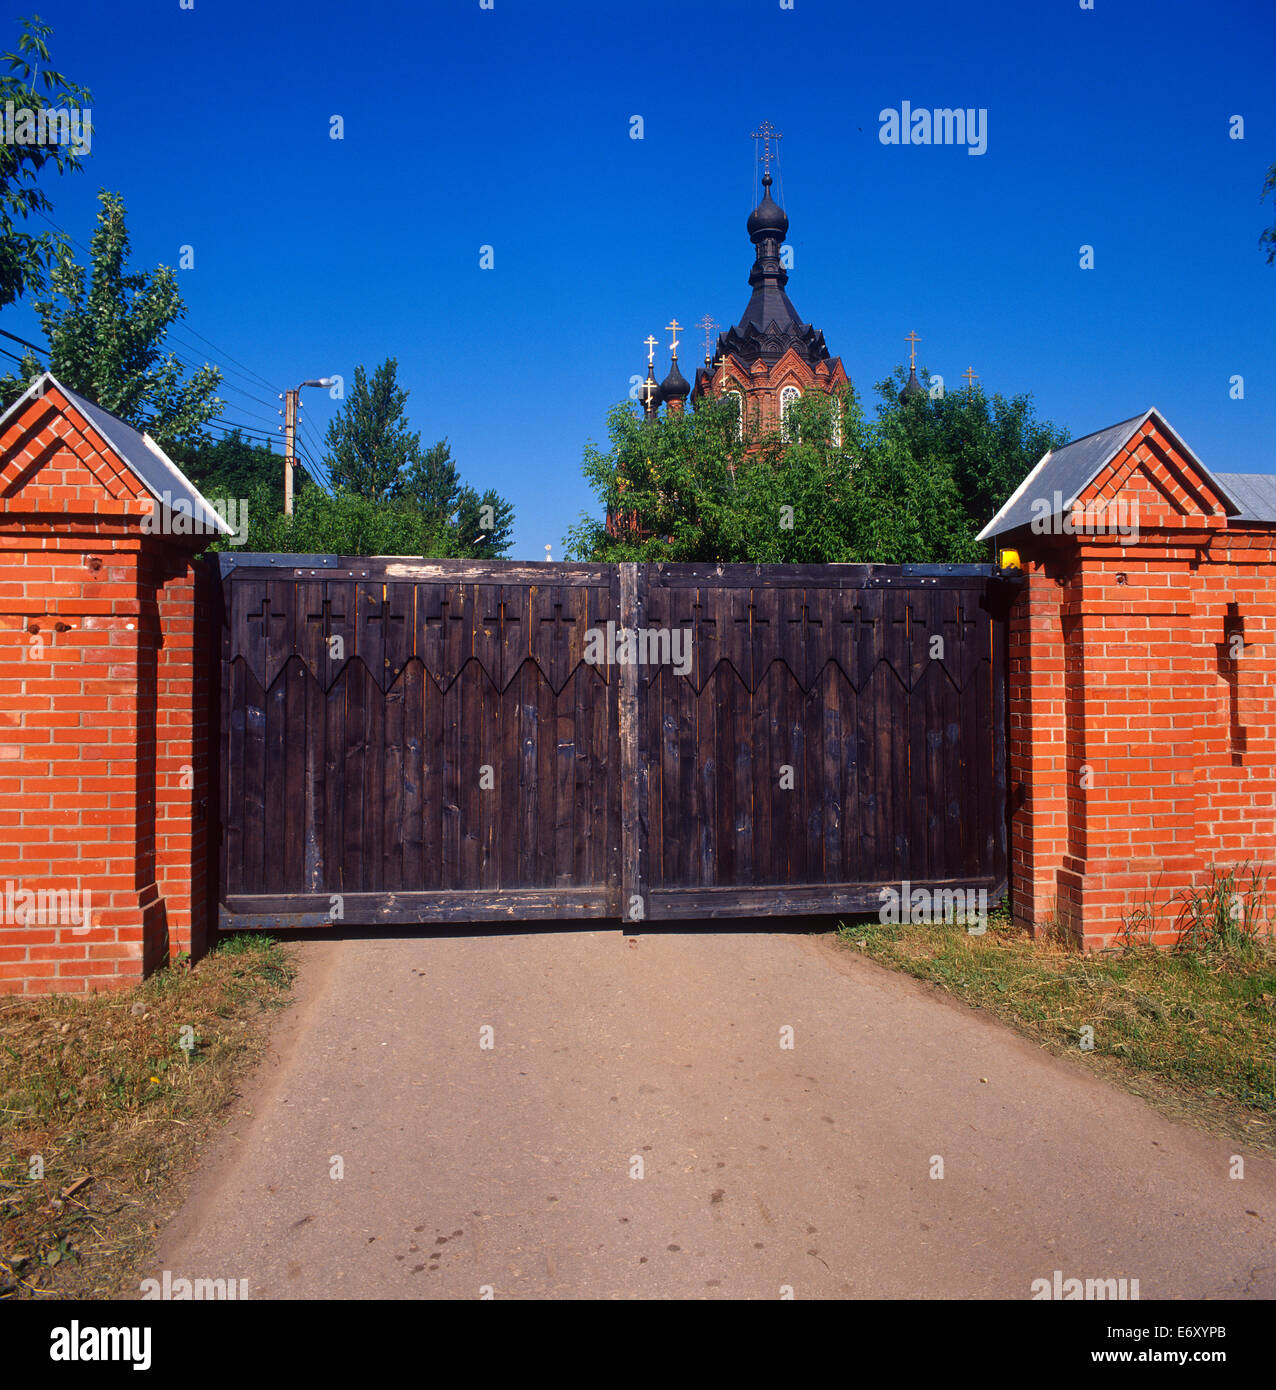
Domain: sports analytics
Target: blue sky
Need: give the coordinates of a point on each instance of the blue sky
(510, 127)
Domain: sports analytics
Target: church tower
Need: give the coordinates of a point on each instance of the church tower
(770, 358)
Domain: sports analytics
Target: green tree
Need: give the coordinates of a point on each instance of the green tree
(235, 467)
(915, 484)
(369, 444)
(343, 523)
(106, 338)
(482, 524)
(431, 482)
(987, 443)
(31, 84)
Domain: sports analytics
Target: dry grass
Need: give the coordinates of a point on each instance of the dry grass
(1192, 1030)
(110, 1095)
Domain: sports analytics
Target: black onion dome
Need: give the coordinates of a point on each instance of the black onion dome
(770, 326)
(768, 218)
(675, 387)
(912, 388)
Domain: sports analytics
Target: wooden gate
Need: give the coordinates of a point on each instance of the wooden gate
(410, 740)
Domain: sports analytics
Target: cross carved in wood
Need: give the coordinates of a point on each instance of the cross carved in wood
(326, 618)
(384, 616)
(860, 623)
(702, 622)
(444, 615)
(265, 615)
(750, 616)
(961, 623)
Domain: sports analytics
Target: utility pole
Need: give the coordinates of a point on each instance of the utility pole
(290, 446)
(292, 404)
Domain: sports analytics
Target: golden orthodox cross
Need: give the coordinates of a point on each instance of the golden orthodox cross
(675, 328)
(766, 132)
(971, 377)
(651, 348)
(912, 356)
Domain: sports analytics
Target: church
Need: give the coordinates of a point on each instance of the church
(771, 358)
(768, 360)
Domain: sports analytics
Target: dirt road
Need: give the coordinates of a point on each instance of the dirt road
(638, 1128)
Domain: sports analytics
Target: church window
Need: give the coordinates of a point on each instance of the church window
(739, 409)
(787, 396)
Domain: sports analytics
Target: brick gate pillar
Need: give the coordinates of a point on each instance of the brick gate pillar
(1142, 754)
(104, 738)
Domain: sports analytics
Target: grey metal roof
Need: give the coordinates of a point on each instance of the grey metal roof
(139, 452)
(1253, 493)
(1066, 471)
(1064, 474)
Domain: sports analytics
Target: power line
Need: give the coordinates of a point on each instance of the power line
(312, 434)
(241, 427)
(261, 379)
(44, 352)
(253, 416)
(248, 395)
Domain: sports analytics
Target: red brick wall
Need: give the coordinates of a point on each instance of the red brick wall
(102, 704)
(1144, 751)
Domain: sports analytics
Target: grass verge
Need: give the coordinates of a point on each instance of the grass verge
(1192, 1030)
(104, 1100)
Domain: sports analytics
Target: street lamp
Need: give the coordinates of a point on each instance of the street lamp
(292, 404)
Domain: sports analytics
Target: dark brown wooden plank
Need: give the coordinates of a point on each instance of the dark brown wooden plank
(432, 760)
(509, 727)
(298, 681)
(254, 804)
(373, 780)
(314, 863)
(452, 770)
(527, 685)
(392, 795)
(413, 774)
(470, 792)
(356, 681)
(796, 899)
(546, 779)
(704, 844)
(334, 785)
(633, 889)
(245, 912)
(564, 827)
(234, 724)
